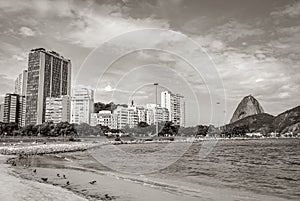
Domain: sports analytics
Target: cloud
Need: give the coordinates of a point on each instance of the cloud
(234, 30)
(93, 28)
(6, 86)
(291, 10)
(108, 88)
(26, 32)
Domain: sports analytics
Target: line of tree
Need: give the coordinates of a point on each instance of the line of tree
(48, 129)
(237, 131)
(99, 106)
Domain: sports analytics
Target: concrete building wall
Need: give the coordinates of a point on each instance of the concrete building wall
(48, 76)
(82, 105)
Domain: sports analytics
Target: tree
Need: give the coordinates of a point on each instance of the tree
(240, 130)
(169, 129)
(202, 130)
(28, 130)
(10, 128)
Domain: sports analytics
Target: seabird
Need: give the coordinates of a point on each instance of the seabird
(108, 197)
(68, 183)
(34, 170)
(57, 175)
(44, 179)
(92, 182)
(64, 176)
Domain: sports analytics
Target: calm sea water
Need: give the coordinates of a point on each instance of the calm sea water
(270, 166)
(264, 166)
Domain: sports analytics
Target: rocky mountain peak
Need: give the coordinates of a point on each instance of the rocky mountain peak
(248, 106)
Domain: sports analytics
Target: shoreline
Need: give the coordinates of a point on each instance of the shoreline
(14, 187)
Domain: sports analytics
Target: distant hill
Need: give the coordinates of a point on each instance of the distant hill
(257, 123)
(247, 107)
(288, 121)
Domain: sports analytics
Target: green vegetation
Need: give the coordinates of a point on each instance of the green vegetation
(47, 129)
(110, 106)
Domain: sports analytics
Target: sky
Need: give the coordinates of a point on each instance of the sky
(212, 52)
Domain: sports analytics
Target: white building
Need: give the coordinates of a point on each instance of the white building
(156, 114)
(82, 105)
(22, 110)
(133, 118)
(104, 118)
(21, 83)
(142, 114)
(126, 116)
(58, 109)
(121, 113)
(175, 104)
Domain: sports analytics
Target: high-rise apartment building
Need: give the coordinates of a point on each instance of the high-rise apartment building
(82, 105)
(21, 83)
(13, 109)
(22, 110)
(49, 75)
(58, 109)
(175, 104)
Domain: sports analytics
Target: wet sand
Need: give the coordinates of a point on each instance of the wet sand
(12, 187)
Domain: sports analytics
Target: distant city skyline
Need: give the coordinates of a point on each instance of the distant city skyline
(255, 45)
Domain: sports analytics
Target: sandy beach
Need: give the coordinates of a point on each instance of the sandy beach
(13, 187)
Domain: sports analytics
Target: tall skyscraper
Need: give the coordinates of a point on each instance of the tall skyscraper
(49, 75)
(13, 109)
(58, 109)
(82, 105)
(175, 104)
(21, 83)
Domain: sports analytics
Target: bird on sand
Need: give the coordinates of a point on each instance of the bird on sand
(68, 183)
(92, 182)
(45, 179)
(108, 197)
(64, 176)
(57, 175)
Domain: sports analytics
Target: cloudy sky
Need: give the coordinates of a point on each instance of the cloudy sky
(209, 51)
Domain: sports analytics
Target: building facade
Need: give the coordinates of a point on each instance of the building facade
(121, 114)
(13, 110)
(82, 105)
(49, 75)
(21, 83)
(175, 104)
(22, 110)
(156, 114)
(58, 109)
(104, 118)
